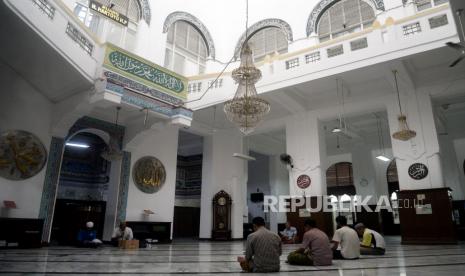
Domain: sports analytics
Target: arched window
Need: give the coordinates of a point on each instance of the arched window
(345, 16)
(186, 50)
(340, 180)
(108, 29)
(268, 41)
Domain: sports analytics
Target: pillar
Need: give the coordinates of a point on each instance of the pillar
(424, 148)
(222, 171)
(305, 143)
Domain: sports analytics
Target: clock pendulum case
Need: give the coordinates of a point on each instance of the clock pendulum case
(221, 216)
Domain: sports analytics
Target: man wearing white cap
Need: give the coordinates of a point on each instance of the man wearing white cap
(88, 237)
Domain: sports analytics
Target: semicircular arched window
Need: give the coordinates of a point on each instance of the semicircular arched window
(108, 29)
(340, 180)
(268, 41)
(345, 16)
(186, 50)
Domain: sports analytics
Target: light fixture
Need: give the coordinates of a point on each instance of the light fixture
(246, 109)
(244, 157)
(379, 127)
(404, 133)
(383, 158)
(77, 145)
(336, 130)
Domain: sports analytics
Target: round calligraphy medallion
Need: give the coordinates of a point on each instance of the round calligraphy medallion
(418, 171)
(304, 181)
(149, 174)
(22, 155)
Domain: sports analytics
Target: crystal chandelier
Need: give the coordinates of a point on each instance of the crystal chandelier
(246, 109)
(404, 133)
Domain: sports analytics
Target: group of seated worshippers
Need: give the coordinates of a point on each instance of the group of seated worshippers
(88, 237)
(263, 247)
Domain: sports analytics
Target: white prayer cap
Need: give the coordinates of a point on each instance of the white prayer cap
(90, 224)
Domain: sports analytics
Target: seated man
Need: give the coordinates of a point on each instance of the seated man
(263, 249)
(372, 242)
(88, 237)
(121, 233)
(289, 234)
(315, 248)
(347, 239)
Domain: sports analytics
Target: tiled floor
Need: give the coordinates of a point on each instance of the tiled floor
(208, 258)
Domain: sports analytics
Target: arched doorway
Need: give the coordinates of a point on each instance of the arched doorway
(83, 186)
(390, 220)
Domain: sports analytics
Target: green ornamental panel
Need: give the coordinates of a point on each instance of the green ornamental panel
(141, 70)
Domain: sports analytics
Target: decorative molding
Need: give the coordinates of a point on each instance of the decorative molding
(323, 5)
(123, 187)
(266, 23)
(145, 10)
(194, 21)
(52, 175)
(122, 82)
(142, 101)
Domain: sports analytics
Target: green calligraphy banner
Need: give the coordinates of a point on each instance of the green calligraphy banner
(150, 74)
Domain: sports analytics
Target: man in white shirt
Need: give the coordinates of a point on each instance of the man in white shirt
(122, 232)
(289, 234)
(346, 244)
(372, 242)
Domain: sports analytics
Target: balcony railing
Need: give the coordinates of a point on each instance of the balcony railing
(420, 29)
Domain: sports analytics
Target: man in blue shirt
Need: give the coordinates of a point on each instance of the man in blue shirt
(88, 237)
(289, 234)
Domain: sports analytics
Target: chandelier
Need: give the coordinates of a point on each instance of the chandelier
(404, 133)
(246, 109)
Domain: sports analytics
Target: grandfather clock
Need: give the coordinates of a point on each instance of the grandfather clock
(221, 216)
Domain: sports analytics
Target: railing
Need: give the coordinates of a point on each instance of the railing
(419, 29)
(45, 7)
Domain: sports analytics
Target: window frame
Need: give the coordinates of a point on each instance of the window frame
(355, 27)
(174, 49)
(276, 49)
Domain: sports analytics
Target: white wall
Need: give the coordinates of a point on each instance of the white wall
(162, 144)
(23, 108)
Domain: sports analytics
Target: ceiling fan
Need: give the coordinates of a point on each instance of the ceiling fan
(458, 46)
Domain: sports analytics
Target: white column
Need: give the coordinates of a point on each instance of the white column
(222, 171)
(424, 148)
(364, 170)
(305, 142)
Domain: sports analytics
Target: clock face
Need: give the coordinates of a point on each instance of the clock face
(221, 201)
(22, 155)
